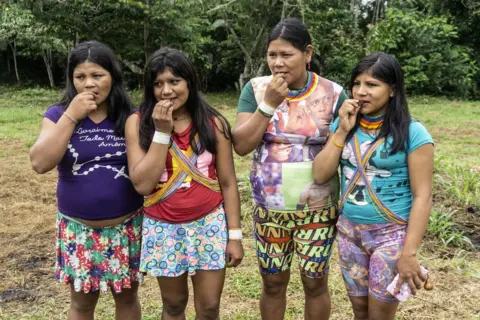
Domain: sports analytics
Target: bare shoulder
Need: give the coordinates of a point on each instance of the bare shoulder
(221, 127)
(133, 120)
(131, 126)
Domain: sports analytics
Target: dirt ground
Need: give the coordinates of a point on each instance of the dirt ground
(28, 291)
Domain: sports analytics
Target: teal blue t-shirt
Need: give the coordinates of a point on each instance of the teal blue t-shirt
(387, 174)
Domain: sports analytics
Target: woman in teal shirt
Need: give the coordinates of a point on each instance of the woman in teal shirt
(386, 161)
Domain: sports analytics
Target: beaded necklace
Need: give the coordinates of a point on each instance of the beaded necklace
(371, 123)
(294, 95)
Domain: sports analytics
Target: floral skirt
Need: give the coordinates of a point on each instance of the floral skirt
(92, 259)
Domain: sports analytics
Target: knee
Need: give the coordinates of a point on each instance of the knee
(208, 310)
(361, 313)
(174, 306)
(360, 310)
(126, 297)
(275, 287)
(315, 289)
(83, 307)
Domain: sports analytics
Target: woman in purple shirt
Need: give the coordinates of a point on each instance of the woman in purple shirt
(99, 223)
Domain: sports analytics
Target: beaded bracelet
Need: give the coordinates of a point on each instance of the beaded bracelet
(263, 113)
(266, 110)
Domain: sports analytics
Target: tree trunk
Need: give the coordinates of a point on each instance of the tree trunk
(9, 67)
(146, 34)
(130, 65)
(355, 9)
(261, 69)
(245, 75)
(376, 11)
(302, 10)
(284, 9)
(14, 50)
(47, 61)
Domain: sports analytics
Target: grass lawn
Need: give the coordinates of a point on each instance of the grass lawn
(28, 205)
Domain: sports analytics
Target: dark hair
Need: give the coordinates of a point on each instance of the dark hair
(386, 68)
(294, 31)
(119, 103)
(201, 112)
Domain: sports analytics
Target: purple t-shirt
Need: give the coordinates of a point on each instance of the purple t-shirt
(93, 182)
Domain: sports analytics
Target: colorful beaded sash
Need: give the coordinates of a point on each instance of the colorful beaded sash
(186, 167)
(360, 174)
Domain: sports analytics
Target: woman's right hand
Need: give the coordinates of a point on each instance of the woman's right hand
(162, 116)
(348, 115)
(277, 91)
(82, 105)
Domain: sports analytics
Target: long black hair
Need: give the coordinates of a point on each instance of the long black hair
(386, 68)
(203, 115)
(294, 31)
(119, 103)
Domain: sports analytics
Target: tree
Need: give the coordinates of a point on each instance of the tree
(40, 40)
(425, 47)
(14, 21)
(226, 39)
(247, 26)
(29, 37)
(338, 43)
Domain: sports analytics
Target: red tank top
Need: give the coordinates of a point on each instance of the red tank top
(191, 201)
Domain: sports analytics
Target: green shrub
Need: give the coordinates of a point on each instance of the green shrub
(424, 46)
(443, 227)
(461, 185)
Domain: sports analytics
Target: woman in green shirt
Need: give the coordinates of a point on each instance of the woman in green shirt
(284, 118)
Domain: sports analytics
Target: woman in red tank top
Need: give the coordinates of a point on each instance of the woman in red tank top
(180, 158)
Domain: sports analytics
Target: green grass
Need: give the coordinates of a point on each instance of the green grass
(443, 227)
(461, 184)
(455, 127)
(21, 112)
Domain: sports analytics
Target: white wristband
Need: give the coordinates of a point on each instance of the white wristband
(161, 138)
(235, 234)
(266, 108)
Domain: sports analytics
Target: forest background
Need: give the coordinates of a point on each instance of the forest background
(436, 41)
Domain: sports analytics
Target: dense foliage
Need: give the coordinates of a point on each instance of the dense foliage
(437, 41)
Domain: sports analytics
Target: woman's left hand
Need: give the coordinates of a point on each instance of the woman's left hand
(409, 271)
(234, 253)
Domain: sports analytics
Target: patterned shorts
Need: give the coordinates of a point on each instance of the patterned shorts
(309, 234)
(93, 259)
(169, 250)
(368, 256)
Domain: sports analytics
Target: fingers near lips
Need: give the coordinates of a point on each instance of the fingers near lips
(276, 79)
(170, 111)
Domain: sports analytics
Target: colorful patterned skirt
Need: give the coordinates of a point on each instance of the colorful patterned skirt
(169, 250)
(92, 259)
